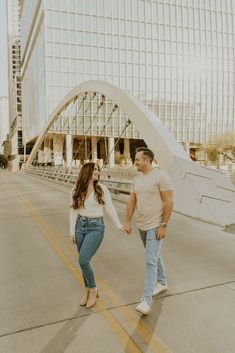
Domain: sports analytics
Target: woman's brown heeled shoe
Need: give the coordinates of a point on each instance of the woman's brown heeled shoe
(84, 299)
(93, 295)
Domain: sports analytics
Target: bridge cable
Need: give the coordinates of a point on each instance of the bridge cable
(104, 126)
(59, 116)
(79, 147)
(77, 110)
(82, 104)
(119, 137)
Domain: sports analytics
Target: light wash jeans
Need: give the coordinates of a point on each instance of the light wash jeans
(154, 267)
(89, 235)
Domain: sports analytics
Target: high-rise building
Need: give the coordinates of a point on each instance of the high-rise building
(15, 104)
(176, 56)
(4, 121)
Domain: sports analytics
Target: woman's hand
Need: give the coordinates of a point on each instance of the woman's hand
(73, 238)
(127, 228)
(124, 231)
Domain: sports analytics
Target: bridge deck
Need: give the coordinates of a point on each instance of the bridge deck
(41, 283)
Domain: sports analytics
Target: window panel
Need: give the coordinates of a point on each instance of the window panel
(64, 20)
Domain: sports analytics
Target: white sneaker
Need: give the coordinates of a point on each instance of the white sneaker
(143, 307)
(159, 288)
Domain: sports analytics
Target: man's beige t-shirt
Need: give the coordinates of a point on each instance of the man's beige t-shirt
(147, 188)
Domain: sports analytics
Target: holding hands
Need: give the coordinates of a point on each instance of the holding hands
(127, 228)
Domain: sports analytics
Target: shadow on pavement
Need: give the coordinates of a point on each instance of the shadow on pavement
(65, 335)
(150, 321)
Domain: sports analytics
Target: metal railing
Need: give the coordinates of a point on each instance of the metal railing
(118, 181)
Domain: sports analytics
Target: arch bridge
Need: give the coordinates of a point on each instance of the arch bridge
(98, 110)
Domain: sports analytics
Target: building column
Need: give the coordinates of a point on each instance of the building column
(127, 148)
(69, 151)
(47, 152)
(40, 157)
(58, 149)
(127, 153)
(187, 147)
(111, 152)
(94, 148)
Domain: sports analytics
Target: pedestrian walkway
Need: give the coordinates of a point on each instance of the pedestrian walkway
(41, 284)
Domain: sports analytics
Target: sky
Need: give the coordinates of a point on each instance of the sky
(3, 50)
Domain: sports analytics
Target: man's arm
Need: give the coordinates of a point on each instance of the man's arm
(167, 198)
(130, 209)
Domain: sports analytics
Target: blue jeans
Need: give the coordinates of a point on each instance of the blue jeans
(154, 267)
(89, 235)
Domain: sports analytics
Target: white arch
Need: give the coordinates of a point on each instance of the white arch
(150, 127)
(200, 192)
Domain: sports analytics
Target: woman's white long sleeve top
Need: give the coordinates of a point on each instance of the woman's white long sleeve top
(93, 209)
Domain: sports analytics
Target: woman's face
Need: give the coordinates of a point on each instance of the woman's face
(96, 173)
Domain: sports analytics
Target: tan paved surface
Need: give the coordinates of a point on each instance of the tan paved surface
(41, 283)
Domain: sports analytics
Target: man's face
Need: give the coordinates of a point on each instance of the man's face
(140, 161)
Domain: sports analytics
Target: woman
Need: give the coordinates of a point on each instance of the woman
(88, 199)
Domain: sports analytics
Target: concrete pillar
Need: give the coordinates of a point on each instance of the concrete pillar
(127, 153)
(94, 148)
(58, 149)
(187, 148)
(47, 150)
(40, 157)
(127, 149)
(69, 151)
(111, 152)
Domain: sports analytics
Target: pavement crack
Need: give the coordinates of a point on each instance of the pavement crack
(59, 321)
(43, 325)
(111, 308)
(195, 290)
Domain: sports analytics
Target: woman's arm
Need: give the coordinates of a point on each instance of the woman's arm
(109, 207)
(72, 217)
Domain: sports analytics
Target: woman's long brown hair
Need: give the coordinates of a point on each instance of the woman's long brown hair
(81, 186)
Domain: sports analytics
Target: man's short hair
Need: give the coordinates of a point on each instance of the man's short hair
(146, 152)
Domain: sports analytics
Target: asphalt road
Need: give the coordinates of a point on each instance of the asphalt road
(41, 283)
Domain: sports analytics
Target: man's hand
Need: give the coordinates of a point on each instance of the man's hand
(161, 233)
(73, 239)
(127, 228)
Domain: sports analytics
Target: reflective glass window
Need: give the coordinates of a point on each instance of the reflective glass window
(64, 36)
(56, 48)
(56, 35)
(56, 19)
(86, 6)
(64, 20)
(72, 37)
(72, 21)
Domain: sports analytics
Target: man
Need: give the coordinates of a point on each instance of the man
(152, 196)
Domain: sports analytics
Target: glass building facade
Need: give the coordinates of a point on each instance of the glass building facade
(4, 121)
(14, 76)
(176, 56)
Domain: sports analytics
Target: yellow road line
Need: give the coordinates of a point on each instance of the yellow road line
(54, 232)
(153, 342)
